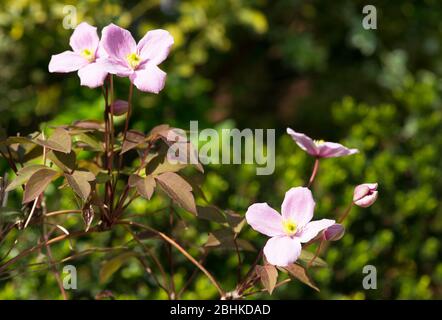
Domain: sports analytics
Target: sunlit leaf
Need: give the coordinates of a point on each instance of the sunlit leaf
(268, 275)
(133, 139)
(178, 190)
(65, 161)
(60, 140)
(80, 183)
(37, 183)
(23, 176)
(299, 272)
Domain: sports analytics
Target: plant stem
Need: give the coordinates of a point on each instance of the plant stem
(171, 266)
(346, 213)
(60, 212)
(315, 171)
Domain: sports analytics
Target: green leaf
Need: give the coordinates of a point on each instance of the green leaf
(65, 161)
(23, 175)
(307, 256)
(268, 275)
(113, 265)
(224, 239)
(90, 140)
(178, 190)
(59, 141)
(10, 215)
(80, 183)
(37, 183)
(102, 177)
(299, 272)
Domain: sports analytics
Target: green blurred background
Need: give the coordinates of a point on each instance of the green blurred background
(263, 64)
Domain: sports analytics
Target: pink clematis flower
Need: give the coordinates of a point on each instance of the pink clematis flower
(138, 62)
(289, 230)
(85, 57)
(320, 148)
(365, 194)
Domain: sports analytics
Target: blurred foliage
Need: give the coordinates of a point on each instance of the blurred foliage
(263, 64)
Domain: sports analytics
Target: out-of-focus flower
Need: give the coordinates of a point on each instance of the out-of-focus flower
(86, 57)
(289, 230)
(120, 107)
(320, 148)
(365, 194)
(139, 61)
(334, 232)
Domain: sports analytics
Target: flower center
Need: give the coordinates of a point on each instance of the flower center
(133, 60)
(319, 143)
(88, 55)
(289, 227)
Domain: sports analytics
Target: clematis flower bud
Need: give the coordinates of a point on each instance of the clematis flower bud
(334, 233)
(120, 107)
(365, 194)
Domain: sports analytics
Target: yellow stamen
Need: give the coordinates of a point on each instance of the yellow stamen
(133, 60)
(88, 55)
(289, 227)
(319, 142)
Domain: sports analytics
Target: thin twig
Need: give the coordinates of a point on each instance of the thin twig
(181, 249)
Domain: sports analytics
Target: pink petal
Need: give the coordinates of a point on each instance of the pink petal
(155, 46)
(264, 219)
(92, 75)
(304, 142)
(118, 42)
(282, 251)
(116, 67)
(150, 78)
(364, 189)
(312, 229)
(368, 200)
(298, 205)
(67, 61)
(84, 37)
(332, 149)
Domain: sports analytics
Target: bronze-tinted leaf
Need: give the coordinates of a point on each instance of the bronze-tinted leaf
(89, 125)
(268, 276)
(299, 272)
(23, 176)
(133, 139)
(80, 183)
(178, 190)
(235, 220)
(65, 161)
(211, 213)
(146, 187)
(37, 183)
(159, 130)
(60, 140)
